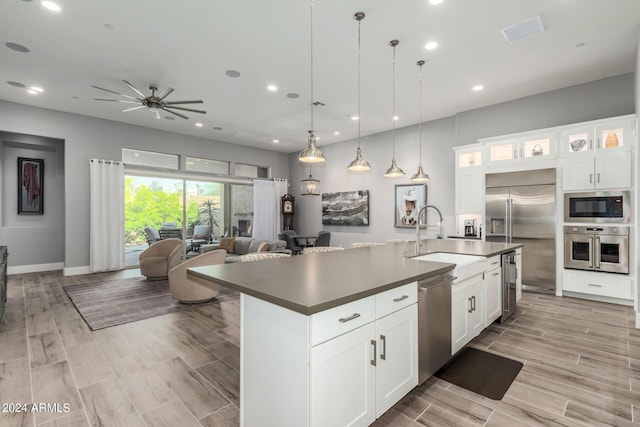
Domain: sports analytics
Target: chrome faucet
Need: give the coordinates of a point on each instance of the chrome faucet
(440, 228)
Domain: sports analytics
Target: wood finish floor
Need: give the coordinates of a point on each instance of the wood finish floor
(581, 366)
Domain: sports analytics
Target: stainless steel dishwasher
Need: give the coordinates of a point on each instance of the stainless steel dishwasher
(434, 324)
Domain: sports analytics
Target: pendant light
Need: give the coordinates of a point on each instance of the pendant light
(394, 171)
(311, 154)
(359, 164)
(420, 176)
(310, 186)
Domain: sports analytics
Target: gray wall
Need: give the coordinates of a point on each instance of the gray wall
(87, 137)
(32, 239)
(590, 101)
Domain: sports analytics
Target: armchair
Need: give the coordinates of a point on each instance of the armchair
(160, 257)
(288, 236)
(190, 289)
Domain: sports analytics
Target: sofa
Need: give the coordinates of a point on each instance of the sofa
(238, 246)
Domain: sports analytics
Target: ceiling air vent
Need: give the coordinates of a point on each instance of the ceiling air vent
(524, 29)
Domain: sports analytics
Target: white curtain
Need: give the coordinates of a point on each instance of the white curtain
(107, 215)
(266, 208)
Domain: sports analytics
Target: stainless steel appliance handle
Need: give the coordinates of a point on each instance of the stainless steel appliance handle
(510, 220)
(373, 358)
(383, 355)
(346, 319)
(597, 253)
(590, 252)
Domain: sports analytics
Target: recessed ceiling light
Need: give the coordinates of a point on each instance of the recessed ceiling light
(217, 128)
(232, 73)
(199, 125)
(36, 88)
(51, 5)
(395, 118)
(435, 2)
(16, 84)
(431, 45)
(355, 118)
(477, 88)
(293, 95)
(17, 47)
(32, 92)
(272, 88)
(336, 133)
(276, 141)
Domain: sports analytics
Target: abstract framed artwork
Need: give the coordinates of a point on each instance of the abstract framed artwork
(409, 198)
(30, 186)
(345, 208)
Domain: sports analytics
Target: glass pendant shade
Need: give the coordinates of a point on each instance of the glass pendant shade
(394, 171)
(310, 186)
(420, 176)
(359, 164)
(311, 154)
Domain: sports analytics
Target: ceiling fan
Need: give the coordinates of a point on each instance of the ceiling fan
(153, 102)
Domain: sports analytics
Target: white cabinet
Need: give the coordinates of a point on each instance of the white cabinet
(598, 155)
(506, 151)
(602, 172)
(467, 319)
(468, 158)
(343, 380)
(595, 283)
(469, 193)
(493, 294)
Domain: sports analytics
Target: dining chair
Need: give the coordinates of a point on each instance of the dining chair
(323, 239)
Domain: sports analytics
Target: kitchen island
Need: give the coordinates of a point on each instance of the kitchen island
(331, 336)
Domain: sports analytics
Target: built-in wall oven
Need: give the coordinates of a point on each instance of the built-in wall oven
(598, 207)
(597, 248)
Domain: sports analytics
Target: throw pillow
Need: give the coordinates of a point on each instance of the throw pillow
(227, 243)
(264, 247)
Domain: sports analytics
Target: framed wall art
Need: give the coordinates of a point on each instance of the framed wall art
(30, 186)
(345, 208)
(409, 199)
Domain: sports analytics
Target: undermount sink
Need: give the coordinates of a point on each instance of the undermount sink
(466, 265)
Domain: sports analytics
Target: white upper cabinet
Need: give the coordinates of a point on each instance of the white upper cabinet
(602, 138)
(527, 147)
(468, 158)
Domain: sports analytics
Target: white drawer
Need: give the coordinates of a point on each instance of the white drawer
(604, 284)
(344, 318)
(394, 299)
(493, 262)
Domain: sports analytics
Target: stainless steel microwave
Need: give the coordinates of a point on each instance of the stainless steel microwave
(598, 207)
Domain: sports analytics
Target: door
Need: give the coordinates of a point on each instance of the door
(343, 378)
(611, 253)
(460, 310)
(397, 370)
(578, 251)
(578, 174)
(496, 223)
(533, 212)
(493, 295)
(613, 171)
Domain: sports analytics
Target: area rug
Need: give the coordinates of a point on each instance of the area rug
(481, 372)
(111, 303)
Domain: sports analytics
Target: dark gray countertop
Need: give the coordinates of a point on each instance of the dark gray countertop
(312, 283)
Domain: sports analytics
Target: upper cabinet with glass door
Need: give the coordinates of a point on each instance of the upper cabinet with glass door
(468, 158)
(523, 148)
(601, 137)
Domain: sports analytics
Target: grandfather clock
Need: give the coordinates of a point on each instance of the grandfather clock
(288, 209)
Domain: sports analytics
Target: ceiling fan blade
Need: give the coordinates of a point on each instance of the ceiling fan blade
(113, 91)
(134, 108)
(199, 101)
(177, 114)
(164, 95)
(186, 109)
(132, 87)
(116, 100)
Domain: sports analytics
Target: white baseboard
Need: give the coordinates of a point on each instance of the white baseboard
(76, 271)
(34, 268)
(599, 298)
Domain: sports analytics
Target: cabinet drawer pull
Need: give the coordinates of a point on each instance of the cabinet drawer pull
(590, 178)
(373, 358)
(402, 298)
(473, 303)
(383, 355)
(598, 177)
(470, 310)
(495, 262)
(496, 273)
(594, 285)
(346, 319)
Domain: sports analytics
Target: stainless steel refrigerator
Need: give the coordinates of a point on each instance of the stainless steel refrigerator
(521, 208)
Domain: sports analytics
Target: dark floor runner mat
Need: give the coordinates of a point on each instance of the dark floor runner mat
(484, 373)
